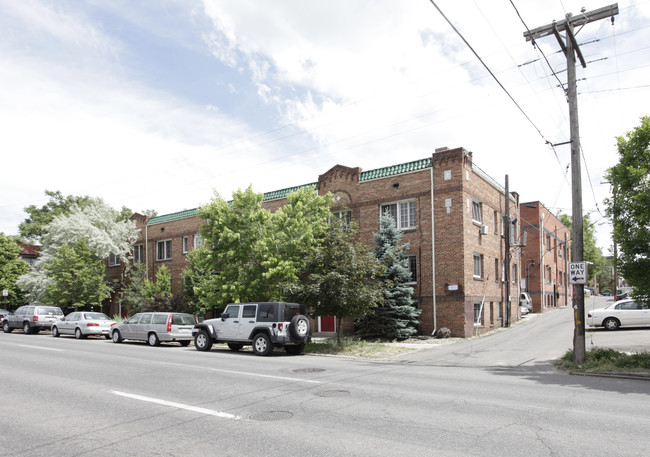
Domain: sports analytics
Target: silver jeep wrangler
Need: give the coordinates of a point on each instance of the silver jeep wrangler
(262, 325)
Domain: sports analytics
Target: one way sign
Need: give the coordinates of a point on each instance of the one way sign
(578, 273)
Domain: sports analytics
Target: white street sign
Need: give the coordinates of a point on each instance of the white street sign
(578, 273)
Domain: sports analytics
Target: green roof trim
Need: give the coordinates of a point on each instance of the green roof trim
(173, 216)
(409, 167)
(277, 194)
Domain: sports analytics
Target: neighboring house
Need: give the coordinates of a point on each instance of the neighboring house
(464, 238)
(545, 258)
(28, 253)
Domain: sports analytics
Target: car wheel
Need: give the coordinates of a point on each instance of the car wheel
(295, 350)
(153, 339)
(77, 334)
(27, 329)
(6, 328)
(262, 344)
(611, 323)
(117, 338)
(184, 343)
(299, 327)
(55, 332)
(203, 341)
(235, 346)
(108, 337)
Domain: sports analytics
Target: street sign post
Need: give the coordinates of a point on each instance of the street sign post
(578, 273)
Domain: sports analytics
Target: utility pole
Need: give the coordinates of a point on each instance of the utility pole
(506, 273)
(569, 46)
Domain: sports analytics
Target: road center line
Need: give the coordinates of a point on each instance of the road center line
(266, 376)
(195, 409)
(39, 347)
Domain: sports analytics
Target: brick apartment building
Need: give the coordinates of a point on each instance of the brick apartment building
(545, 258)
(456, 257)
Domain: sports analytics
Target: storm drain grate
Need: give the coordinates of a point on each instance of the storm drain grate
(332, 393)
(308, 370)
(271, 416)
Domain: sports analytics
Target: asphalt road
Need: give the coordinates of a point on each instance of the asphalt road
(496, 395)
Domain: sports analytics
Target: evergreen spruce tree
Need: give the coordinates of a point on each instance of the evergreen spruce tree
(397, 318)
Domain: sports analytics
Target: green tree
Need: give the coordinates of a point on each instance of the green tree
(590, 250)
(397, 317)
(97, 224)
(158, 293)
(78, 277)
(33, 227)
(134, 295)
(254, 250)
(340, 278)
(11, 268)
(629, 206)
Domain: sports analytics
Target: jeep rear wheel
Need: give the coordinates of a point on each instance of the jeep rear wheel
(262, 344)
(299, 327)
(203, 341)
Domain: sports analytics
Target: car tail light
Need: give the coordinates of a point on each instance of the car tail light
(589, 315)
(195, 319)
(280, 326)
(169, 324)
(92, 324)
(113, 324)
(35, 318)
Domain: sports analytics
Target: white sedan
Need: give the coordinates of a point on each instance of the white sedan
(623, 313)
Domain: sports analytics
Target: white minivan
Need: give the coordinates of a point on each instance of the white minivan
(525, 301)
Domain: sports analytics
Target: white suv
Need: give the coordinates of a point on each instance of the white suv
(262, 325)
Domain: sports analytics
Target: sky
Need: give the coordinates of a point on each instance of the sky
(158, 105)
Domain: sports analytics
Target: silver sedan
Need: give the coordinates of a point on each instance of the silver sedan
(82, 324)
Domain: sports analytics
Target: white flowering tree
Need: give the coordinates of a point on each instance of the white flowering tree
(97, 224)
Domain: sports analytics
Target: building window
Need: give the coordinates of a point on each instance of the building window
(478, 266)
(514, 273)
(503, 270)
(113, 260)
(138, 253)
(548, 242)
(548, 274)
(478, 316)
(164, 250)
(345, 215)
(403, 213)
(184, 245)
(198, 241)
(413, 268)
(477, 215)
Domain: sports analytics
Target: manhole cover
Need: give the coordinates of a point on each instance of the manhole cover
(308, 370)
(271, 416)
(332, 393)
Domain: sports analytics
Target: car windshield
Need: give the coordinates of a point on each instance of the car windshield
(183, 319)
(96, 317)
(49, 310)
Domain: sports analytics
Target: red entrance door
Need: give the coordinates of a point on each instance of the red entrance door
(327, 324)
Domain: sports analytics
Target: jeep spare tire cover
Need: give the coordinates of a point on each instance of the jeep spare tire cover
(299, 327)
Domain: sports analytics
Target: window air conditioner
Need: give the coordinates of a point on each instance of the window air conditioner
(484, 229)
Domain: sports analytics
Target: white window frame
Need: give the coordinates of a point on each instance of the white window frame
(478, 258)
(405, 213)
(138, 253)
(477, 211)
(412, 267)
(167, 250)
(343, 214)
(198, 241)
(113, 260)
(184, 248)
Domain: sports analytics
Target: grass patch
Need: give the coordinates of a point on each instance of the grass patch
(355, 348)
(605, 360)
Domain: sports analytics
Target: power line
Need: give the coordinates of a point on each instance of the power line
(490, 72)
